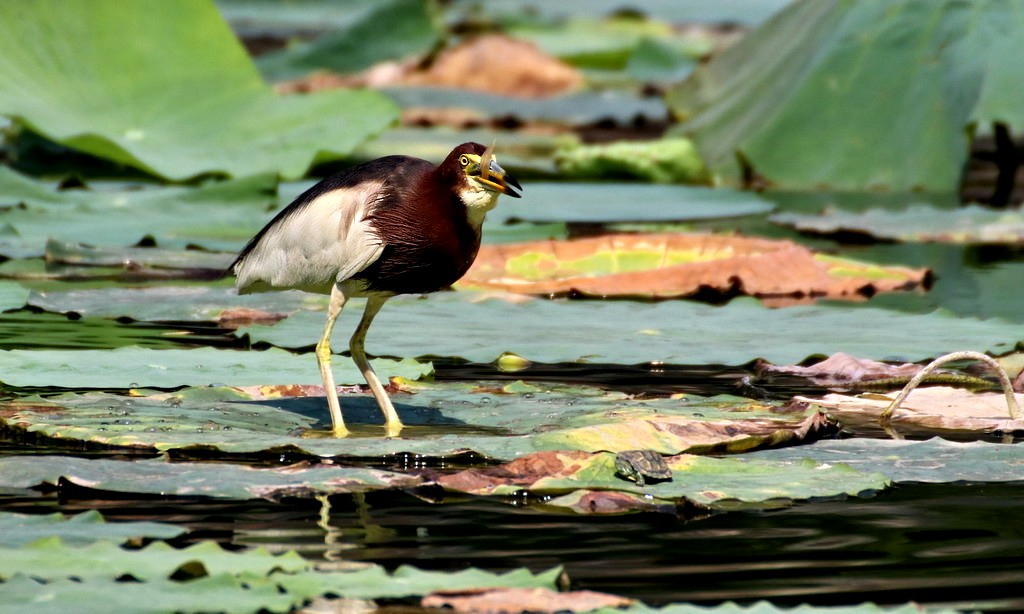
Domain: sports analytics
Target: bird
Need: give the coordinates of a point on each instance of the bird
(390, 226)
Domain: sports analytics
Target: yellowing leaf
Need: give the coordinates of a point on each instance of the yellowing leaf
(678, 265)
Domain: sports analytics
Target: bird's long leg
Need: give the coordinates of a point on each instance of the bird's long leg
(392, 424)
(323, 359)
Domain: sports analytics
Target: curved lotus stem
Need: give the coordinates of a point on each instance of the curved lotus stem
(1004, 380)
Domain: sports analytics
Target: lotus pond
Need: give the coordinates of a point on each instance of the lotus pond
(163, 438)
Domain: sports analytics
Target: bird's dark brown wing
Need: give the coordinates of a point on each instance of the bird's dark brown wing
(323, 236)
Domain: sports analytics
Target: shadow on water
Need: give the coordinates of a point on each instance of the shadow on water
(364, 419)
(934, 544)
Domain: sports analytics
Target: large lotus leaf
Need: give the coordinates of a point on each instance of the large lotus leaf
(131, 367)
(220, 215)
(359, 44)
(85, 528)
(464, 324)
(855, 95)
(971, 224)
(727, 483)
(932, 461)
(441, 420)
(678, 265)
(168, 89)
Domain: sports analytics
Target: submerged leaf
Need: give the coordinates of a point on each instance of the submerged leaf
(676, 265)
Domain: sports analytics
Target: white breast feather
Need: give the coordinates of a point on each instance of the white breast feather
(478, 202)
(327, 241)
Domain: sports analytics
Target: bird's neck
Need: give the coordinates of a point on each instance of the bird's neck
(477, 202)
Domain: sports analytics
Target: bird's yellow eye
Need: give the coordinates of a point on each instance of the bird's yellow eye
(464, 160)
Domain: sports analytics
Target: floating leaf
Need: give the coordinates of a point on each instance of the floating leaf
(512, 600)
(603, 203)
(216, 215)
(441, 420)
(12, 295)
(525, 71)
(85, 528)
(127, 367)
(843, 370)
(230, 481)
(723, 483)
(479, 329)
(572, 110)
(172, 303)
(676, 265)
(97, 76)
(920, 223)
(49, 576)
(934, 461)
(857, 95)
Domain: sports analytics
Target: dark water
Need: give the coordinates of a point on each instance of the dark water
(957, 545)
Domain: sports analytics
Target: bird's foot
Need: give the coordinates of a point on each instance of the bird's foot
(340, 431)
(393, 428)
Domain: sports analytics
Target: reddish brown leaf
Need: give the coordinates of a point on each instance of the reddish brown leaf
(490, 63)
(499, 65)
(676, 265)
(523, 471)
(516, 600)
(937, 408)
(840, 369)
(244, 316)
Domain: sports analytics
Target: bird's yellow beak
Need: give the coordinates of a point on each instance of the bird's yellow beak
(486, 171)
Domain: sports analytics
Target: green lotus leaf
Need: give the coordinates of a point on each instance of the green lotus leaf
(131, 367)
(857, 95)
(166, 88)
(441, 420)
(931, 461)
(359, 44)
(464, 325)
(216, 215)
(85, 528)
(917, 223)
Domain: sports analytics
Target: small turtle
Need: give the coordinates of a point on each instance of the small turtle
(637, 465)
